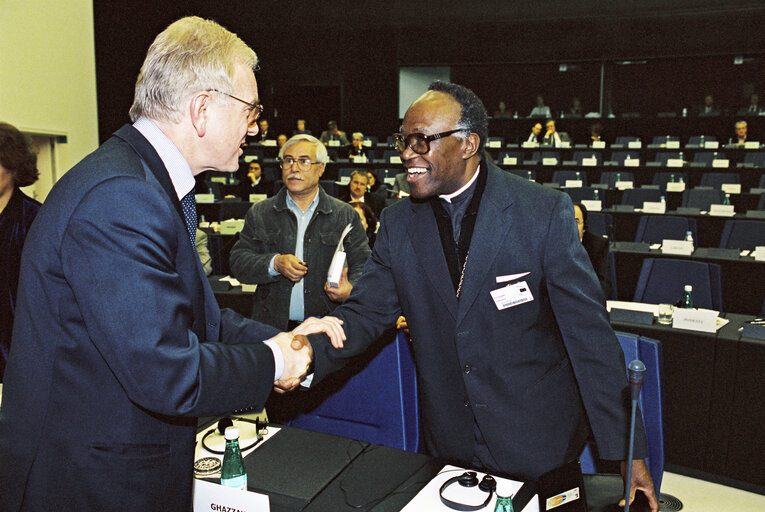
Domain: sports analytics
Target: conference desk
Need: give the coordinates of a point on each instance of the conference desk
(743, 278)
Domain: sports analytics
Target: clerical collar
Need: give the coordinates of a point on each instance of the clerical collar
(449, 197)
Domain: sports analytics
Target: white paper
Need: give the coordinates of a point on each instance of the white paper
(623, 185)
(723, 163)
(751, 144)
(677, 186)
(395, 159)
(654, 207)
(598, 144)
(731, 188)
(211, 496)
(673, 144)
(589, 162)
(634, 144)
(702, 320)
(510, 160)
(679, 247)
(631, 162)
(494, 144)
(204, 198)
(549, 161)
(711, 144)
(759, 253)
(573, 184)
(674, 162)
(722, 210)
(333, 143)
(593, 205)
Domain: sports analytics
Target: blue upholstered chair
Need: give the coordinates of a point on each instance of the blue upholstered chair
(662, 280)
(743, 234)
(655, 228)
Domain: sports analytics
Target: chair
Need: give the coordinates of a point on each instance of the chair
(233, 209)
(560, 177)
(662, 178)
(653, 229)
(623, 141)
(602, 224)
(250, 151)
(761, 203)
(663, 156)
(701, 198)
(330, 187)
(612, 273)
(743, 234)
(757, 159)
(762, 182)
(620, 156)
(717, 179)
(378, 404)
(530, 175)
(518, 155)
(696, 140)
(658, 140)
(584, 194)
(707, 157)
(388, 153)
(610, 177)
(372, 139)
(661, 281)
(637, 196)
(581, 155)
(539, 156)
(650, 403)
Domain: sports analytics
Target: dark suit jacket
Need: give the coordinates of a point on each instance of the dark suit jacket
(597, 249)
(118, 345)
(527, 373)
(375, 201)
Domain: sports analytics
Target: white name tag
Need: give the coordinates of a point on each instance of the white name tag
(269, 142)
(711, 144)
(333, 143)
(231, 226)
(673, 144)
(511, 295)
(675, 162)
(250, 158)
(654, 207)
(680, 247)
(623, 185)
(634, 144)
(731, 188)
(395, 159)
(359, 159)
(677, 186)
(529, 144)
(631, 162)
(212, 496)
(751, 145)
(703, 320)
(573, 184)
(722, 210)
(592, 205)
(759, 253)
(589, 162)
(367, 143)
(204, 198)
(549, 161)
(495, 144)
(598, 144)
(510, 160)
(721, 163)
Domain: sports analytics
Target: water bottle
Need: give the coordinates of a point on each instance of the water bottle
(232, 473)
(618, 177)
(595, 195)
(529, 176)
(682, 160)
(578, 175)
(671, 178)
(687, 300)
(689, 237)
(726, 201)
(504, 504)
(701, 142)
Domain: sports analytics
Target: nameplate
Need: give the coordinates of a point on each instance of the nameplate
(219, 179)
(565, 144)
(631, 162)
(751, 144)
(623, 185)
(256, 198)
(654, 207)
(251, 158)
(549, 161)
(599, 144)
(494, 143)
(628, 315)
(249, 288)
(367, 143)
(333, 143)
(212, 496)
(678, 247)
(711, 144)
(677, 186)
(731, 188)
(634, 144)
(395, 159)
(754, 331)
(721, 163)
(590, 162)
(593, 205)
(673, 144)
(573, 184)
(269, 142)
(389, 180)
(702, 320)
(675, 162)
(759, 253)
(204, 198)
(359, 159)
(722, 210)
(510, 160)
(530, 144)
(231, 226)
(344, 180)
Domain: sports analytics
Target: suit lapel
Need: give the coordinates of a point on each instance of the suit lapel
(491, 228)
(424, 237)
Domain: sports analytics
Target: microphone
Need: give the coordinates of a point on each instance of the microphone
(636, 372)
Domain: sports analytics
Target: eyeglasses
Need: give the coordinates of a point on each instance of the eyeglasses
(253, 112)
(418, 142)
(303, 163)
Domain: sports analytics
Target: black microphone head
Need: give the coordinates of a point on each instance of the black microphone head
(636, 371)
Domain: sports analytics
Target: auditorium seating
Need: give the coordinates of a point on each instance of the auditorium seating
(702, 198)
(610, 177)
(637, 196)
(662, 280)
(655, 228)
(560, 177)
(717, 179)
(743, 234)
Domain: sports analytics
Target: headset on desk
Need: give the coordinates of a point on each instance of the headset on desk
(226, 422)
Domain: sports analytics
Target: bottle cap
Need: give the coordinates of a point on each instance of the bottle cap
(688, 288)
(232, 433)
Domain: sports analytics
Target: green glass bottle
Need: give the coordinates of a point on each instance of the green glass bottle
(232, 473)
(687, 301)
(504, 504)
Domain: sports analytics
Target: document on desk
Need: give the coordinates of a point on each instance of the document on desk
(429, 498)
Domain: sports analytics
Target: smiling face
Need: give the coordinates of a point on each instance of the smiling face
(443, 169)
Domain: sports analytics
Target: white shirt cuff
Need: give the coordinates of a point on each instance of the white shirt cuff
(271, 269)
(278, 358)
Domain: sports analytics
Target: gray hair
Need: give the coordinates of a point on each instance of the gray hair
(321, 152)
(192, 54)
(740, 123)
(358, 134)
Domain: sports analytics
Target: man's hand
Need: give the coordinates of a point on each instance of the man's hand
(298, 354)
(641, 479)
(331, 326)
(343, 289)
(290, 267)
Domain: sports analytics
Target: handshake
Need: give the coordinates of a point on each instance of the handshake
(298, 352)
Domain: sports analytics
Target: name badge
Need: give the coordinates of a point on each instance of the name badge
(511, 295)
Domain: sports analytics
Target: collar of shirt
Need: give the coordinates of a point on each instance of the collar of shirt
(292, 205)
(448, 197)
(177, 166)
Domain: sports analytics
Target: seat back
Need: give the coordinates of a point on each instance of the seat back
(624, 140)
(527, 174)
(637, 196)
(620, 156)
(663, 139)
(378, 404)
(717, 179)
(655, 228)
(707, 157)
(743, 234)
(580, 194)
(663, 156)
(601, 223)
(702, 198)
(761, 202)
(662, 280)
(539, 156)
(609, 177)
(581, 155)
(518, 155)
(650, 402)
(695, 140)
(560, 177)
(662, 178)
(756, 159)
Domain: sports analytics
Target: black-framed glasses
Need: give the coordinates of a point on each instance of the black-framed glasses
(253, 112)
(303, 163)
(419, 142)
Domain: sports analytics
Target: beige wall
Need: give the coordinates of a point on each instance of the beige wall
(48, 80)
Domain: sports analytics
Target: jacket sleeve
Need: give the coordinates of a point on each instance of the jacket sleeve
(356, 249)
(253, 252)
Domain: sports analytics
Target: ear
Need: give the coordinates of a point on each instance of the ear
(321, 169)
(470, 146)
(199, 111)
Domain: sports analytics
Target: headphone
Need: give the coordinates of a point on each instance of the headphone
(226, 422)
(469, 479)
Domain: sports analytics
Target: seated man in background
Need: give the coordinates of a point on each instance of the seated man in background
(596, 247)
(301, 130)
(357, 190)
(264, 133)
(536, 131)
(357, 149)
(281, 140)
(252, 183)
(753, 109)
(333, 133)
(540, 110)
(709, 108)
(741, 133)
(552, 137)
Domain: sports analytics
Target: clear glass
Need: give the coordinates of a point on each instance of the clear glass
(665, 313)
(232, 473)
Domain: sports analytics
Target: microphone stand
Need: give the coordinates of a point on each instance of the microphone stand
(636, 370)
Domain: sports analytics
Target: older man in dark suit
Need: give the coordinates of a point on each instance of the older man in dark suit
(119, 343)
(515, 354)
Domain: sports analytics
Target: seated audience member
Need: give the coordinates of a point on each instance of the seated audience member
(596, 130)
(357, 149)
(741, 133)
(368, 220)
(575, 110)
(596, 247)
(552, 137)
(204, 251)
(357, 191)
(333, 133)
(536, 131)
(501, 111)
(376, 186)
(18, 168)
(263, 133)
(401, 186)
(280, 140)
(254, 182)
(301, 128)
(540, 110)
(709, 108)
(753, 109)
